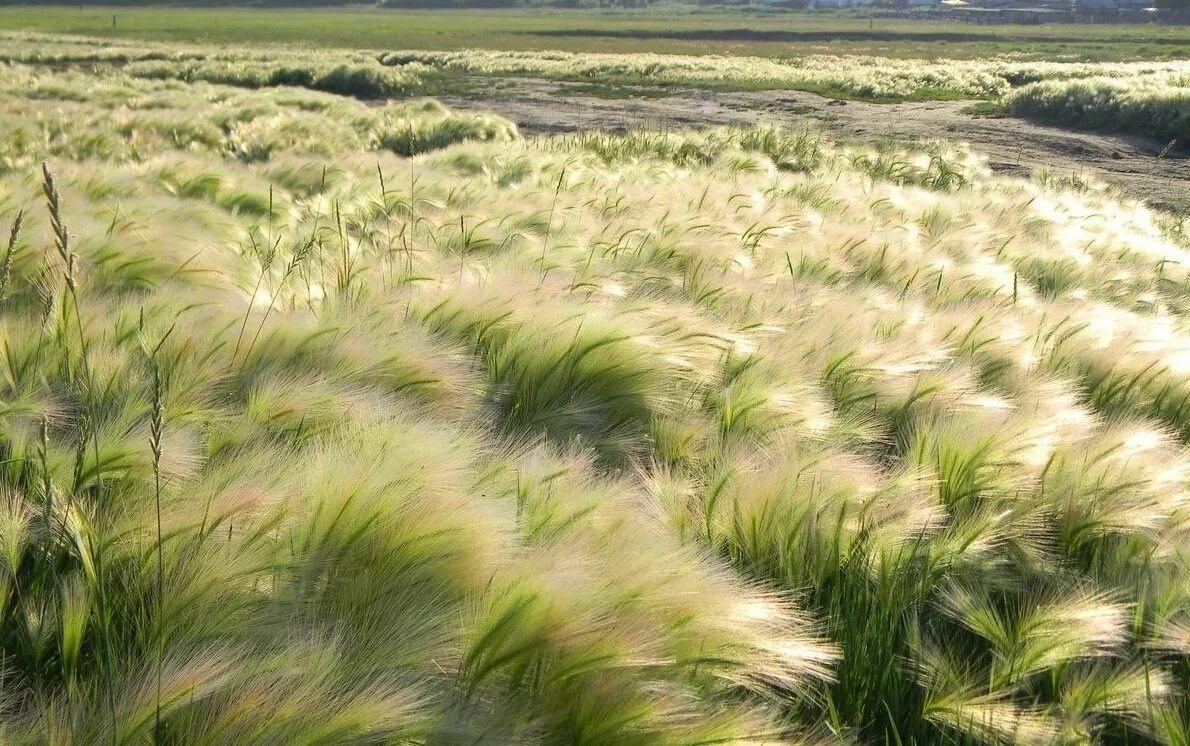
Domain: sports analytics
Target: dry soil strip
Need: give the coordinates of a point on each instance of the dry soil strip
(1011, 145)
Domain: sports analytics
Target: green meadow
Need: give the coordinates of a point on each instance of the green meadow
(670, 30)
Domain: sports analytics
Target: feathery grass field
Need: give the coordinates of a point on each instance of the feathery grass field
(323, 422)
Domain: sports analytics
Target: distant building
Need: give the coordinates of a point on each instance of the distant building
(1034, 15)
(1099, 6)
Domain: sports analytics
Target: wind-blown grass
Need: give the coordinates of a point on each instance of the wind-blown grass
(387, 73)
(1155, 105)
(734, 436)
(127, 118)
(360, 80)
(871, 78)
(1141, 98)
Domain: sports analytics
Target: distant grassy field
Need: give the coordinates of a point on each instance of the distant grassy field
(688, 32)
(1148, 97)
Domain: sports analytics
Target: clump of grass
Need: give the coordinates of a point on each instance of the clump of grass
(417, 128)
(1156, 105)
(677, 149)
(354, 79)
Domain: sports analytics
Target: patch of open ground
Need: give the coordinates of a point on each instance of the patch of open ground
(1134, 165)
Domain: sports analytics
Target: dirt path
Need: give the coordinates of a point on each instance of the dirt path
(1011, 145)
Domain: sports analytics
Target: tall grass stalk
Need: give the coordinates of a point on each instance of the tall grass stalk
(156, 434)
(62, 245)
(10, 250)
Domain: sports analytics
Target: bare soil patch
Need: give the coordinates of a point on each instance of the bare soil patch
(1012, 146)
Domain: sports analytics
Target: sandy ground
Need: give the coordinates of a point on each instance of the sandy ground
(1011, 145)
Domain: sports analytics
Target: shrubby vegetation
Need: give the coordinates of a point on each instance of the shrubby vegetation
(740, 436)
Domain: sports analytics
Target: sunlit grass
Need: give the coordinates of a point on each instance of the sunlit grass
(1155, 105)
(732, 436)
